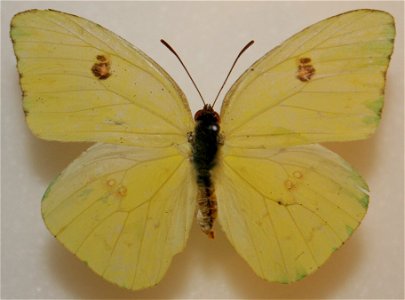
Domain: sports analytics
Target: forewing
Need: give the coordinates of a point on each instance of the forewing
(82, 82)
(125, 211)
(287, 210)
(325, 83)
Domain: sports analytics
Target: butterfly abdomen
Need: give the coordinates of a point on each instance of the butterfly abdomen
(205, 145)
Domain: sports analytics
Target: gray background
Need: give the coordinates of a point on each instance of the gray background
(207, 35)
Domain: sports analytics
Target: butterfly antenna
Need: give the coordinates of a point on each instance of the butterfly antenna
(233, 65)
(188, 73)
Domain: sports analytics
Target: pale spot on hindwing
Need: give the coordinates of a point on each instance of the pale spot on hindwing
(305, 69)
(111, 182)
(293, 181)
(114, 188)
(289, 185)
(122, 191)
(297, 174)
(102, 68)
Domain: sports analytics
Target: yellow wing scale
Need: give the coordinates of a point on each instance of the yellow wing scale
(125, 211)
(287, 210)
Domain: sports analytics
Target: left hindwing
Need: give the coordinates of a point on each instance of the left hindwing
(286, 210)
(125, 211)
(325, 83)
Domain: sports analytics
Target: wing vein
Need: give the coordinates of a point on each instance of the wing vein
(113, 53)
(264, 110)
(93, 230)
(147, 214)
(331, 35)
(115, 245)
(104, 176)
(302, 235)
(270, 218)
(290, 57)
(145, 108)
(317, 110)
(321, 218)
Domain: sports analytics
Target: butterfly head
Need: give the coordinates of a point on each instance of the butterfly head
(207, 114)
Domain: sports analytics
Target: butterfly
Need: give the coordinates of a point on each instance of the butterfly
(126, 205)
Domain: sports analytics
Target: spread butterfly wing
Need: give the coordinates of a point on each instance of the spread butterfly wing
(82, 82)
(125, 211)
(287, 210)
(325, 83)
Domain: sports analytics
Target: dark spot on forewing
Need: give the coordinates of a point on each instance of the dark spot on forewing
(305, 69)
(102, 68)
(101, 58)
(305, 60)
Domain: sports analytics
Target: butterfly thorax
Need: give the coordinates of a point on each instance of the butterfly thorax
(205, 144)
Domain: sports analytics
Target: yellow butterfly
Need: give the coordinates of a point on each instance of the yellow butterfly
(126, 205)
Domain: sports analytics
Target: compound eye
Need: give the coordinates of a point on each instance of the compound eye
(217, 117)
(198, 114)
